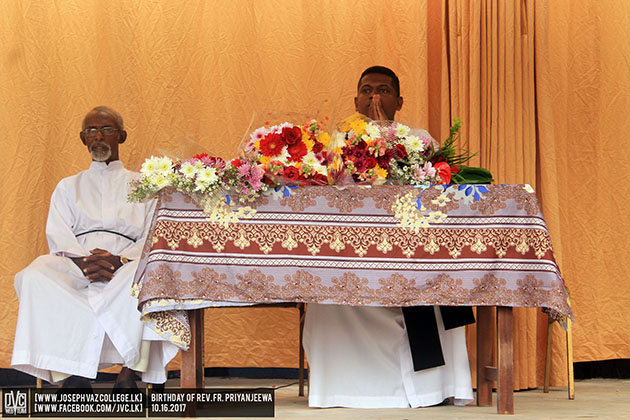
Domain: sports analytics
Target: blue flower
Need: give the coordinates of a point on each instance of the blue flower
(286, 189)
(475, 190)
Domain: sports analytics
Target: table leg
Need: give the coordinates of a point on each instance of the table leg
(301, 352)
(505, 388)
(192, 360)
(485, 378)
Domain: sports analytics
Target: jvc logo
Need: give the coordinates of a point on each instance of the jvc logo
(14, 402)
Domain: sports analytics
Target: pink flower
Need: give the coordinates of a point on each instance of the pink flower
(243, 170)
(429, 170)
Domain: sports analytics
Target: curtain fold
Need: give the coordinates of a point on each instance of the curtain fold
(489, 48)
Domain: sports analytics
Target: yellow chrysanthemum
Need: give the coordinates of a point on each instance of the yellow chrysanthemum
(265, 160)
(324, 138)
(358, 126)
(382, 172)
(308, 142)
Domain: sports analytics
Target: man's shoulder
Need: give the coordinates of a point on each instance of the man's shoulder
(69, 180)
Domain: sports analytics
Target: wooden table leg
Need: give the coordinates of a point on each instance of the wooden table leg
(485, 378)
(301, 352)
(192, 360)
(505, 335)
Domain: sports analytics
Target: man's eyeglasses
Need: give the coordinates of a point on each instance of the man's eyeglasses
(105, 131)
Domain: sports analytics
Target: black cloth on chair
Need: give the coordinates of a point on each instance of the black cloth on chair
(422, 330)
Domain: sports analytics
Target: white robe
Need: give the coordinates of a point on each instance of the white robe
(67, 324)
(359, 357)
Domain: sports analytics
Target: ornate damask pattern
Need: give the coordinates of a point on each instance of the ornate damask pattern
(346, 200)
(345, 246)
(170, 325)
(300, 199)
(362, 240)
(434, 199)
(496, 199)
(348, 288)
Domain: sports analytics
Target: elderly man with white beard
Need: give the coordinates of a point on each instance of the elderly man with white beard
(76, 313)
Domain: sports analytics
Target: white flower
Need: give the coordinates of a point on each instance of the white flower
(164, 165)
(413, 143)
(402, 130)
(284, 156)
(149, 166)
(159, 180)
(188, 170)
(207, 175)
(311, 160)
(199, 165)
(201, 184)
(373, 130)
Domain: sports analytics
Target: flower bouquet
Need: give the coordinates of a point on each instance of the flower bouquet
(293, 154)
(447, 155)
(371, 152)
(210, 181)
(378, 152)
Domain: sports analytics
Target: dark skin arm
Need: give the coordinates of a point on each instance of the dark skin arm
(100, 266)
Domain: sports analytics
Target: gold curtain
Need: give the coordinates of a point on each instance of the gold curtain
(583, 97)
(541, 87)
(488, 78)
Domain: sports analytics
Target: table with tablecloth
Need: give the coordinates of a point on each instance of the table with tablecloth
(473, 245)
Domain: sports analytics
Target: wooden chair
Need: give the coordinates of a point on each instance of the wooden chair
(192, 360)
(569, 335)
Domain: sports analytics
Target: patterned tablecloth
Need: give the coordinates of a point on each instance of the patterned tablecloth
(378, 246)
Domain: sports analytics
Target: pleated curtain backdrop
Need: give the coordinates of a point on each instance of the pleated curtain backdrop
(489, 48)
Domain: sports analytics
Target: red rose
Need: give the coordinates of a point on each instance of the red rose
(444, 171)
(236, 162)
(399, 152)
(297, 151)
(320, 179)
(383, 161)
(370, 162)
(317, 147)
(272, 145)
(291, 135)
(200, 155)
(291, 173)
(454, 169)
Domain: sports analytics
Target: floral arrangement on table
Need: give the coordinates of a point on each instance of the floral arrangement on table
(362, 151)
(388, 152)
(291, 154)
(379, 152)
(210, 181)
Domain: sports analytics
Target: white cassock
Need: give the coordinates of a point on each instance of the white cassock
(359, 357)
(68, 325)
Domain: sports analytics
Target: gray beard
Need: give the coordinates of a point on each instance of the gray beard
(100, 155)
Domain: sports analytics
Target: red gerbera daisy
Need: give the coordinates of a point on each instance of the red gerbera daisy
(272, 145)
(297, 151)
